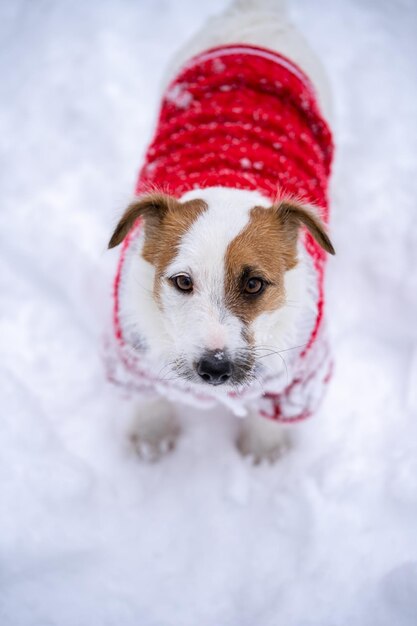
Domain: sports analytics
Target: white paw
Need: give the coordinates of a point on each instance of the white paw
(262, 440)
(150, 451)
(154, 432)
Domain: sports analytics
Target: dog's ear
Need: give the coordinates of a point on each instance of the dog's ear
(292, 214)
(152, 207)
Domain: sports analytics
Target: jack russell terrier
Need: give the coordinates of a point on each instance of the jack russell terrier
(218, 296)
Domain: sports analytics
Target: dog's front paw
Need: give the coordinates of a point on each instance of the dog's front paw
(262, 440)
(152, 451)
(155, 431)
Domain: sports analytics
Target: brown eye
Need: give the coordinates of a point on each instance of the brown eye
(183, 282)
(254, 286)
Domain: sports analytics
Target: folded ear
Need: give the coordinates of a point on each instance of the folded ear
(293, 214)
(152, 207)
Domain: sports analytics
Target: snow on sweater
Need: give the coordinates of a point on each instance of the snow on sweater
(247, 118)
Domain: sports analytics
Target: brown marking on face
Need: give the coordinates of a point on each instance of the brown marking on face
(258, 251)
(163, 237)
(267, 248)
(166, 220)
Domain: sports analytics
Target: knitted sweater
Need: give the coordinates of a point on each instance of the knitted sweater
(242, 117)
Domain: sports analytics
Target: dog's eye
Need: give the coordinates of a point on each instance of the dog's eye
(183, 282)
(254, 286)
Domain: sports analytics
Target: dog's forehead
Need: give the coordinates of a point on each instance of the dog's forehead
(204, 245)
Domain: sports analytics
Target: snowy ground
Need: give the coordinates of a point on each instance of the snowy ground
(89, 536)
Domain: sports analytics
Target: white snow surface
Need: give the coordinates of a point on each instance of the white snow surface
(91, 536)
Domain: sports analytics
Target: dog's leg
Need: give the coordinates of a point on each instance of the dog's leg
(263, 439)
(155, 429)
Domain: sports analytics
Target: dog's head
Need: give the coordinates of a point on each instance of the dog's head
(220, 261)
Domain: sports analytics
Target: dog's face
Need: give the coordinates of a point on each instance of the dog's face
(220, 259)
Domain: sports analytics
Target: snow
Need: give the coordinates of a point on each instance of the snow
(179, 96)
(90, 535)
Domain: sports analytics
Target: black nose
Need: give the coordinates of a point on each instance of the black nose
(214, 368)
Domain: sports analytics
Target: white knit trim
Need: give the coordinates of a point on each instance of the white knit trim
(242, 49)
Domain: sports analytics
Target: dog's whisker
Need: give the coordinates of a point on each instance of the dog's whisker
(275, 349)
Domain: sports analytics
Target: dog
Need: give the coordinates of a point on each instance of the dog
(218, 295)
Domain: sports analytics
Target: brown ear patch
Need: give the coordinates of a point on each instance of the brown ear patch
(166, 220)
(162, 238)
(152, 207)
(293, 214)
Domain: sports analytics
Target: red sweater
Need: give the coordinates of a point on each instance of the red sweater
(244, 117)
